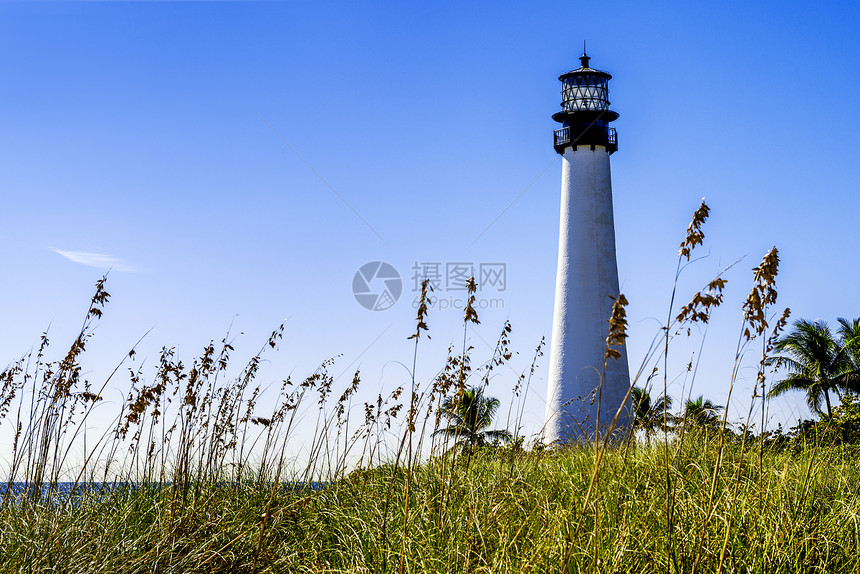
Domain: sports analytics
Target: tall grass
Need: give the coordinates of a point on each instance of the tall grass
(197, 474)
(502, 514)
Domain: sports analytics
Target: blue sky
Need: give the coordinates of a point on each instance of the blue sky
(235, 163)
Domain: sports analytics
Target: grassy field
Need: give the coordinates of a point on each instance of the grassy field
(213, 487)
(502, 511)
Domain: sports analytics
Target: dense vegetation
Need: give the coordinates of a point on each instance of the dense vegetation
(793, 511)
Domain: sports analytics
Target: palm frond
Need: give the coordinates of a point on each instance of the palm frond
(498, 434)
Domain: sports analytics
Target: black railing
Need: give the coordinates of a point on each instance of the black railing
(562, 136)
(588, 134)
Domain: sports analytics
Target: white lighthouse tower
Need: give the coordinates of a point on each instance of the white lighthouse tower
(587, 279)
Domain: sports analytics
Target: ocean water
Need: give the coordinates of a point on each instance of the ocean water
(65, 491)
(62, 492)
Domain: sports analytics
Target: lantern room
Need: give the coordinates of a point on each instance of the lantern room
(585, 113)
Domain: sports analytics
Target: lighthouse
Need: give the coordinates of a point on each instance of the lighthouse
(582, 396)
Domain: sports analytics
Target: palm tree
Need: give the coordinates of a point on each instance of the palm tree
(701, 412)
(648, 413)
(818, 364)
(849, 335)
(469, 413)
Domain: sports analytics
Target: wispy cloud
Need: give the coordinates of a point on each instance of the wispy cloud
(98, 260)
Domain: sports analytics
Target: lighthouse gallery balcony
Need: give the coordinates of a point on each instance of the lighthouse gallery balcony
(590, 135)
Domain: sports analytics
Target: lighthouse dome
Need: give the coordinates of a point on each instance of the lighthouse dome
(584, 89)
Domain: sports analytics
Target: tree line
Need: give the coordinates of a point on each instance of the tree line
(818, 362)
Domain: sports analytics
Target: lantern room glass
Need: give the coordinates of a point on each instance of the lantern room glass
(581, 92)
